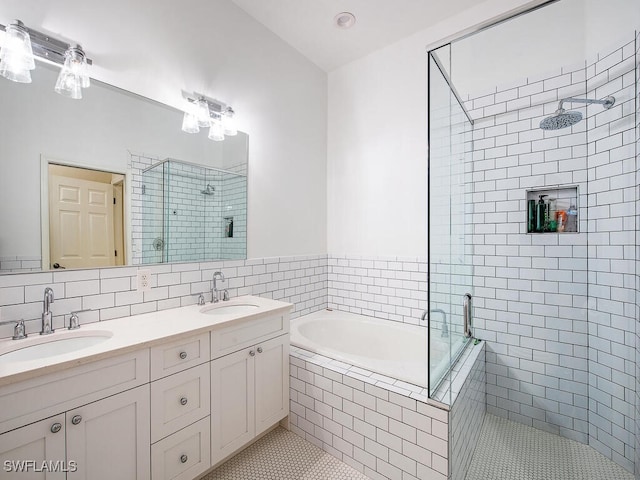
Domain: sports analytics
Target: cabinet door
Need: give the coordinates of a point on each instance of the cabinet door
(110, 438)
(26, 449)
(272, 382)
(232, 400)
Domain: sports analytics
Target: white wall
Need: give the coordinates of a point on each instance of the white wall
(159, 48)
(377, 143)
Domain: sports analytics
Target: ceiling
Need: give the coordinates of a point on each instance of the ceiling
(308, 25)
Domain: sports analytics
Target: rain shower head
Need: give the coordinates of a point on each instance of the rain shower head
(209, 190)
(562, 119)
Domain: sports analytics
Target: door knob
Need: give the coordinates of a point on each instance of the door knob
(56, 427)
(76, 419)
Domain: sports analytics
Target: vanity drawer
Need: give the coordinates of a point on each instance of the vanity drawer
(179, 400)
(40, 397)
(183, 455)
(243, 334)
(173, 357)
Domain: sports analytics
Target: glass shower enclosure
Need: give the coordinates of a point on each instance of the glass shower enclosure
(192, 213)
(449, 245)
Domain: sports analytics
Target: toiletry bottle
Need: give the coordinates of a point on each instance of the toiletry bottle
(531, 216)
(552, 224)
(541, 214)
(572, 219)
(561, 219)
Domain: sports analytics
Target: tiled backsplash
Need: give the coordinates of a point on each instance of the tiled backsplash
(111, 292)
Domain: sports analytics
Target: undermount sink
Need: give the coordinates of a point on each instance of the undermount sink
(50, 346)
(238, 308)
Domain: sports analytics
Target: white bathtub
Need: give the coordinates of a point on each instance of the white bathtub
(393, 349)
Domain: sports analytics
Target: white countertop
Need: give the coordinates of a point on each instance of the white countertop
(129, 334)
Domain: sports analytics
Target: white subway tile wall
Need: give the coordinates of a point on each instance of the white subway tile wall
(111, 292)
(20, 263)
(556, 309)
(612, 229)
(637, 282)
(391, 288)
(383, 427)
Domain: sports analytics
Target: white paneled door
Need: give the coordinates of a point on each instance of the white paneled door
(80, 223)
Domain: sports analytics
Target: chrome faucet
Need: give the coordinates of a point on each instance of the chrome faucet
(47, 317)
(214, 290)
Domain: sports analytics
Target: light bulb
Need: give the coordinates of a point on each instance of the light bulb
(190, 123)
(216, 131)
(204, 117)
(16, 55)
(229, 122)
(74, 74)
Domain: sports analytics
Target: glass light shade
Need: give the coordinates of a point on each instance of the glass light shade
(16, 55)
(216, 131)
(204, 117)
(229, 122)
(190, 123)
(74, 75)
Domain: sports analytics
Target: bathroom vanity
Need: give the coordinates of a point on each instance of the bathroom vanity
(167, 394)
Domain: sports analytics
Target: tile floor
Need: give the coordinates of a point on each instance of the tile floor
(506, 451)
(512, 451)
(283, 455)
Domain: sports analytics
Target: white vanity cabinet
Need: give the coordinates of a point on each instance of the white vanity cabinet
(249, 387)
(180, 407)
(103, 439)
(39, 442)
(165, 408)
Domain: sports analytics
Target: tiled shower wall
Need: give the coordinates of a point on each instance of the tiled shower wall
(611, 256)
(111, 292)
(532, 290)
(637, 316)
(191, 223)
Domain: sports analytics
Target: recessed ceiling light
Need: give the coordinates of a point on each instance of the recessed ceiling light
(344, 20)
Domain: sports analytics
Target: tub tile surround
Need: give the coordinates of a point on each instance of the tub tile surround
(389, 288)
(382, 427)
(556, 309)
(112, 292)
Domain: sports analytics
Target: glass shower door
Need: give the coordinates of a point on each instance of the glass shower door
(450, 228)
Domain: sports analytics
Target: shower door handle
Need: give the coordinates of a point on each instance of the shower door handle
(467, 315)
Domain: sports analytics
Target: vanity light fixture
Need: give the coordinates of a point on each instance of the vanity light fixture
(202, 112)
(22, 44)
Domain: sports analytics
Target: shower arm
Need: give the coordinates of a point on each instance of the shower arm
(607, 103)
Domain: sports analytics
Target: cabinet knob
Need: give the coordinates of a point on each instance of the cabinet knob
(184, 458)
(183, 401)
(76, 419)
(259, 349)
(183, 355)
(56, 427)
(252, 353)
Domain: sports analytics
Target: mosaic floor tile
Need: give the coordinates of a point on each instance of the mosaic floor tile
(511, 451)
(283, 455)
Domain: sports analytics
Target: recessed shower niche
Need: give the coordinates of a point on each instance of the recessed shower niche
(552, 210)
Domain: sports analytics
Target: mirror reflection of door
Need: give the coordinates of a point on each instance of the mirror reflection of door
(86, 220)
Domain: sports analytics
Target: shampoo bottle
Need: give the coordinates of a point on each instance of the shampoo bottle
(541, 214)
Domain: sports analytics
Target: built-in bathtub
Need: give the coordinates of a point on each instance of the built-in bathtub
(358, 392)
(397, 350)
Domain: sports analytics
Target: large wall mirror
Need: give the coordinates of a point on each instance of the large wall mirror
(112, 180)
